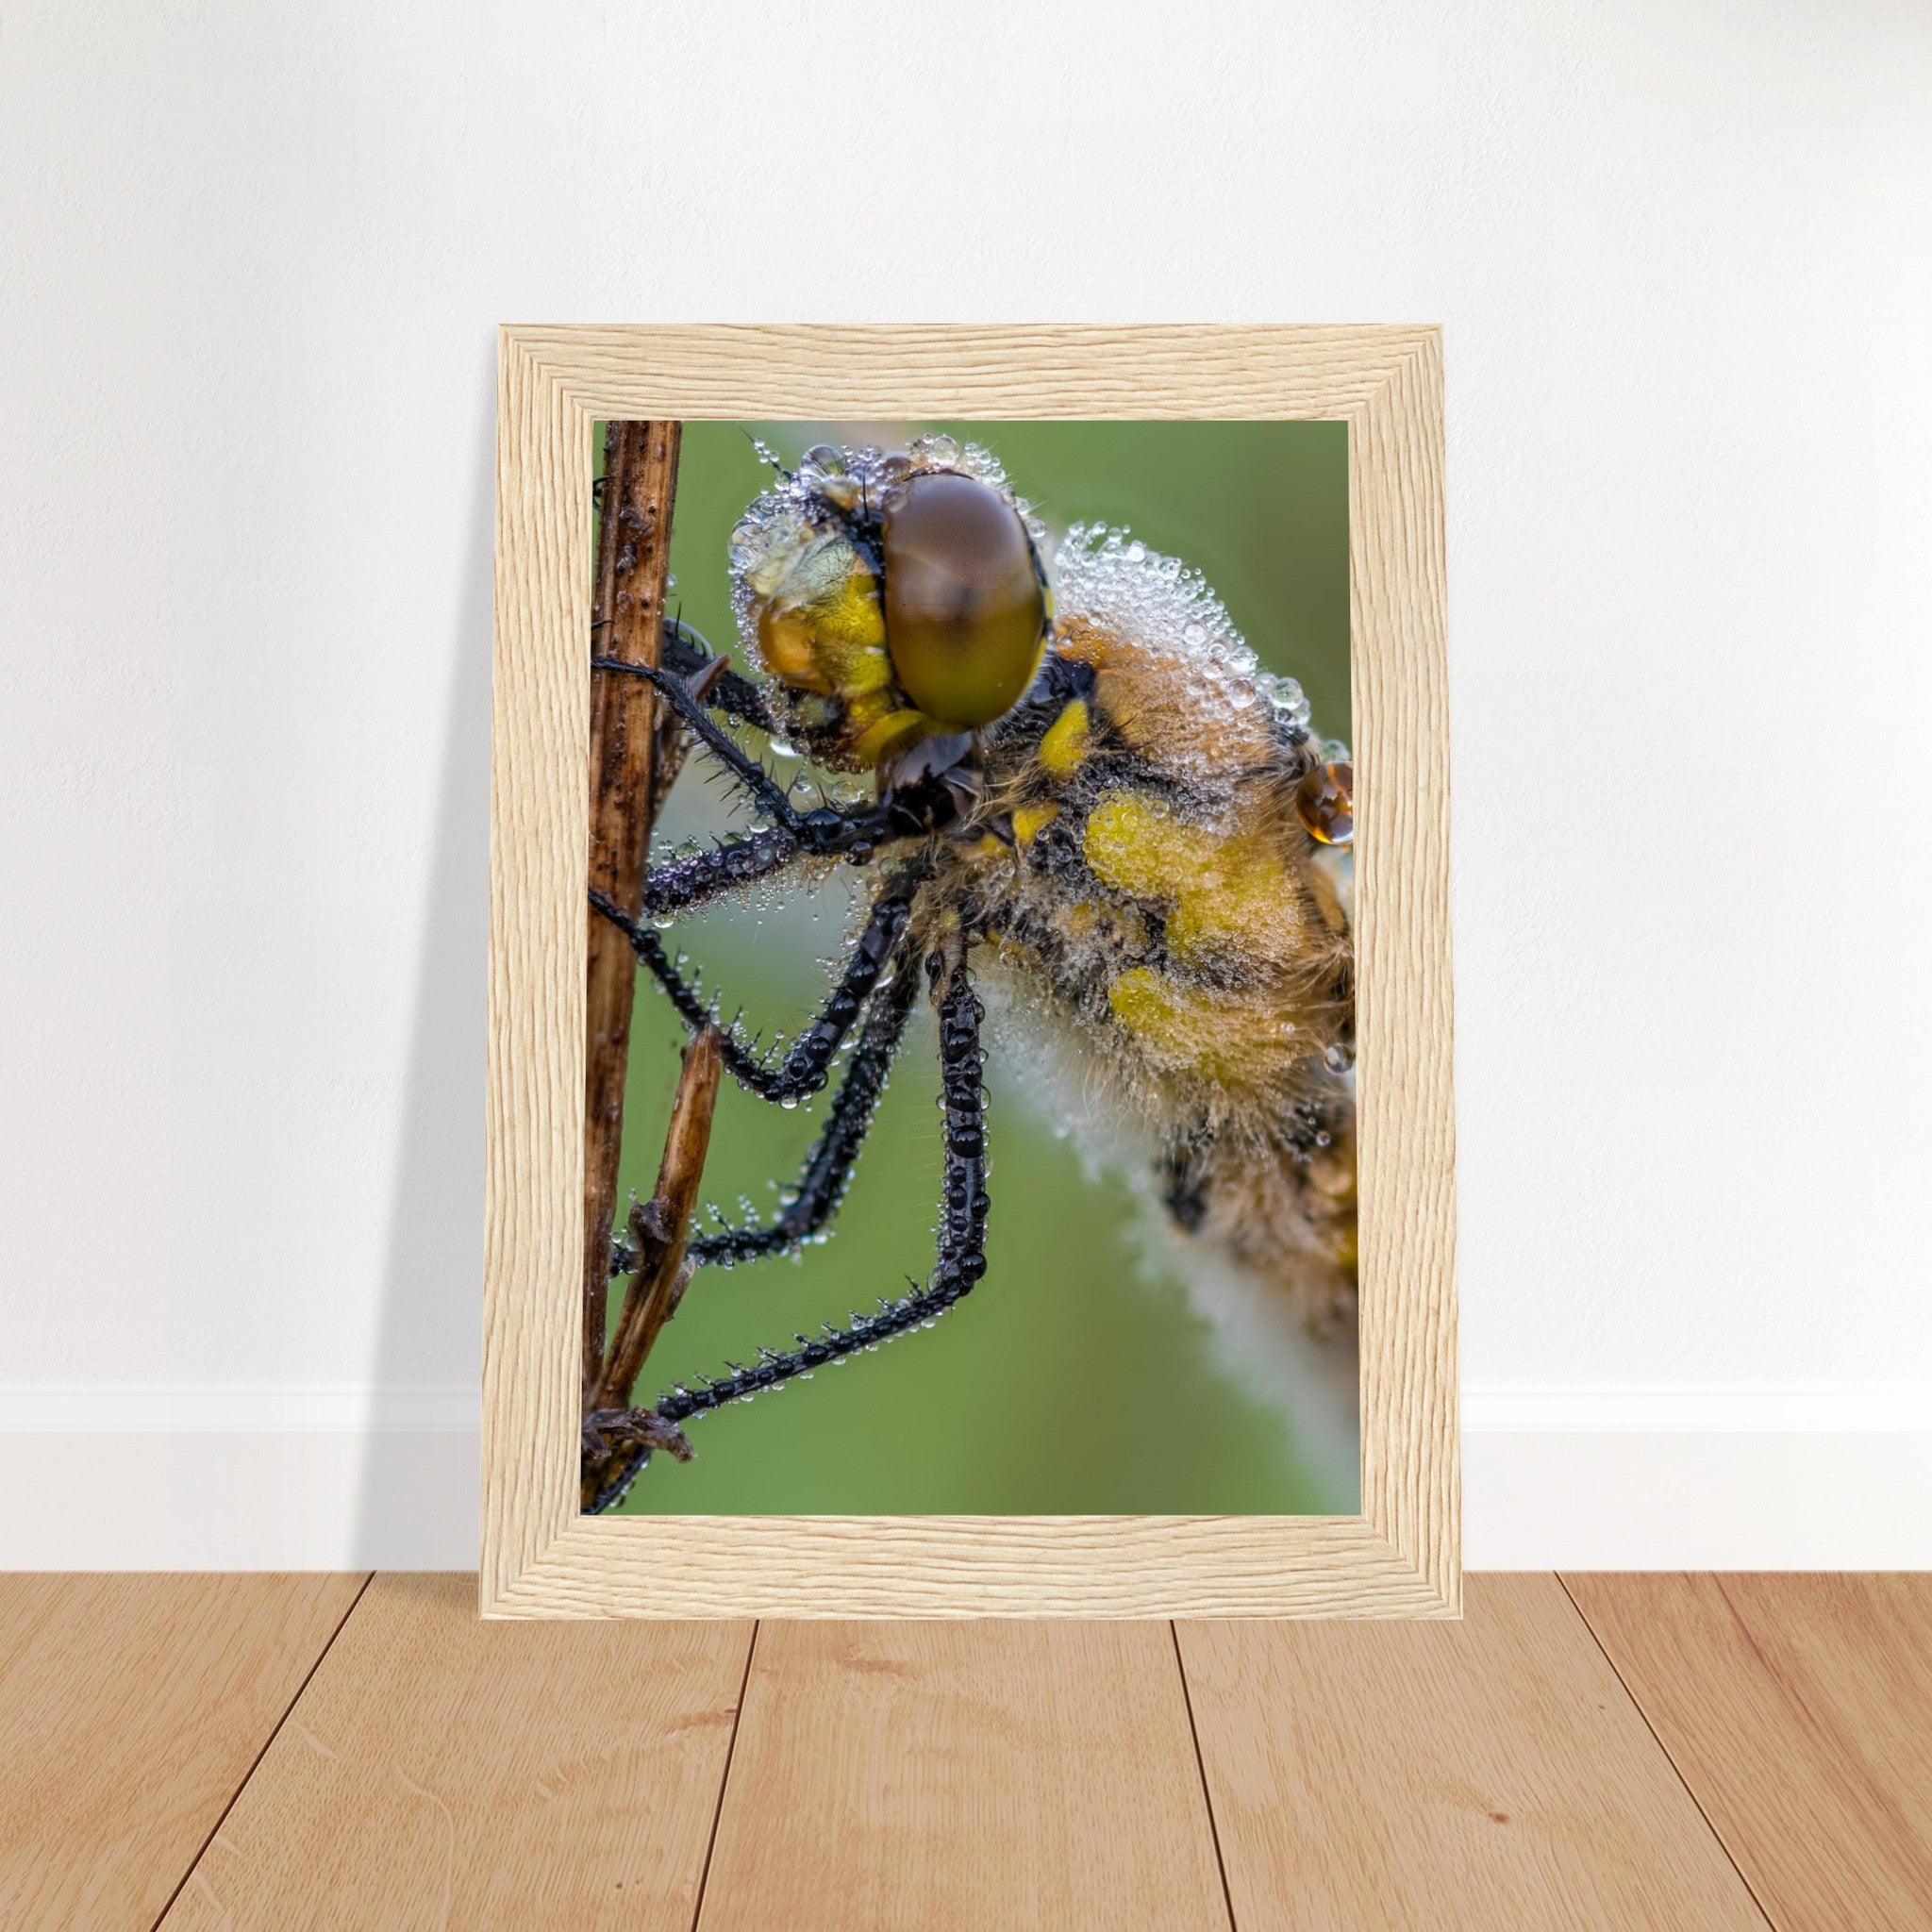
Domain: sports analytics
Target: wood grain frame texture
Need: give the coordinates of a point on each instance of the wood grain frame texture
(1401, 1555)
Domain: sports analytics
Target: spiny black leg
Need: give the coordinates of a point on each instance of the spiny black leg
(802, 1071)
(961, 1256)
(744, 768)
(823, 831)
(688, 655)
(962, 1230)
(829, 1167)
(684, 652)
(685, 883)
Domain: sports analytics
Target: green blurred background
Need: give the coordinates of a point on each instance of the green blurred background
(1074, 1381)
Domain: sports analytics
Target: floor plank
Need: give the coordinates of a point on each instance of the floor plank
(131, 1709)
(1799, 1709)
(1489, 1774)
(939, 1776)
(441, 1771)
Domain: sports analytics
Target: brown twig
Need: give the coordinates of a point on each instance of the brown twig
(658, 1230)
(634, 757)
(633, 561)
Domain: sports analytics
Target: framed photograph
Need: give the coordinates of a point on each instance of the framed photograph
(971, 1128)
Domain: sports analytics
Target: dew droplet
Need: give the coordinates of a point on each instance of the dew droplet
(936, 450)
(1324, 803)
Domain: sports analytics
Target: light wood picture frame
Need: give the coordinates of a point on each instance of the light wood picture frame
(1401, 1557)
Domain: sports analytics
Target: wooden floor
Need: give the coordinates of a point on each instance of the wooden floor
(1623, 1752)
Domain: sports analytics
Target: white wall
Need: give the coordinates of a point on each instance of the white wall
(254, 259)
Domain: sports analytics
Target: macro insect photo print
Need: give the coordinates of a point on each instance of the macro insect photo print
(973, 837)
(970, 1044)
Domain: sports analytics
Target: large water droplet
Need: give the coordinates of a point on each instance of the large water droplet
(1324, 803)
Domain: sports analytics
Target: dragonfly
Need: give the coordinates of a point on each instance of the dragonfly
(1082, 791)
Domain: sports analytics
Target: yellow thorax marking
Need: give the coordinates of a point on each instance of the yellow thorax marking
(1028, 818)
(1065, 742)
(1217, 888)
(1221, 1036)
(1190, 1027)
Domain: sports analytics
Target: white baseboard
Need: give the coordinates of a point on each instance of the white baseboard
(1711, 1499)
(1821, 1476)
(240, 1499)
(239, 1478)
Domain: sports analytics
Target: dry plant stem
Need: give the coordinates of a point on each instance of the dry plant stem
(658, 1230)
(633, 559)
(660, 1225)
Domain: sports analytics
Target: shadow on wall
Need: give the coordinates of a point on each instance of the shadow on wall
(418, 1504)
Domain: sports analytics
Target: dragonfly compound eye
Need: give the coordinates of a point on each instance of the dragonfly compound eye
(965, 609)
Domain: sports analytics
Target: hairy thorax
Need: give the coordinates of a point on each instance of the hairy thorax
(1147, 881)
